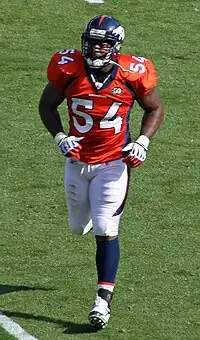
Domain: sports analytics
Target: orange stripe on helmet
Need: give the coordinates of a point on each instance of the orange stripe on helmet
(101, 19)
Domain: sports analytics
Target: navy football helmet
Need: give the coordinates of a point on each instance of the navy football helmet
(106, 32)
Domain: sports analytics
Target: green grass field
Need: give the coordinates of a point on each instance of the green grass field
(47, 275)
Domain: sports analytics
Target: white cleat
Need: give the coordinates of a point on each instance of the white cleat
(100, 313)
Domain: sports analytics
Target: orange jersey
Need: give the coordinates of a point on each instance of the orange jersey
(101, 116)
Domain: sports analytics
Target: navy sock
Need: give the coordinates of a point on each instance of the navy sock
(107, 260)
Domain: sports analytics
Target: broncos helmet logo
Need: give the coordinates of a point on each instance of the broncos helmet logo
(119, 33)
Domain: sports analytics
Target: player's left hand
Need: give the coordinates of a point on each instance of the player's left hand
(135, 153)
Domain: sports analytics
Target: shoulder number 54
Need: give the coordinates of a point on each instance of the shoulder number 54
(138, 65)
(66, 59)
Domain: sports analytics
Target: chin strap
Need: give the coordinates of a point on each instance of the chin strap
(97, 63)
(123, 69)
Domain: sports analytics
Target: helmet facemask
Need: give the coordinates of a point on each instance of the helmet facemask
(98, 57)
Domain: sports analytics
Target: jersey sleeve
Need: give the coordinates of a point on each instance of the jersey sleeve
(57, 73)
(147, 80)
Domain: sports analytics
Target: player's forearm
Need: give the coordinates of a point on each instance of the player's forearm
(51, 119)
(152, 121)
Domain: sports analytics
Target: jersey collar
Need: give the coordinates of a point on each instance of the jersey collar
(107, 81)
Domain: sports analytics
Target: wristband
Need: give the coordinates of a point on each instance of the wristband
(144, 141)
(59, 137)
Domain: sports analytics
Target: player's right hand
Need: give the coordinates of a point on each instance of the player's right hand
(68, 146)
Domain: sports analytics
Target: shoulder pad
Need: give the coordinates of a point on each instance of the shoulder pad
(63, 65)
(139, 72)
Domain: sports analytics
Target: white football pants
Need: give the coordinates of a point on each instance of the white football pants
(95, 196)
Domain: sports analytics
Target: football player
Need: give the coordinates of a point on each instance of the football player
(100, 86)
